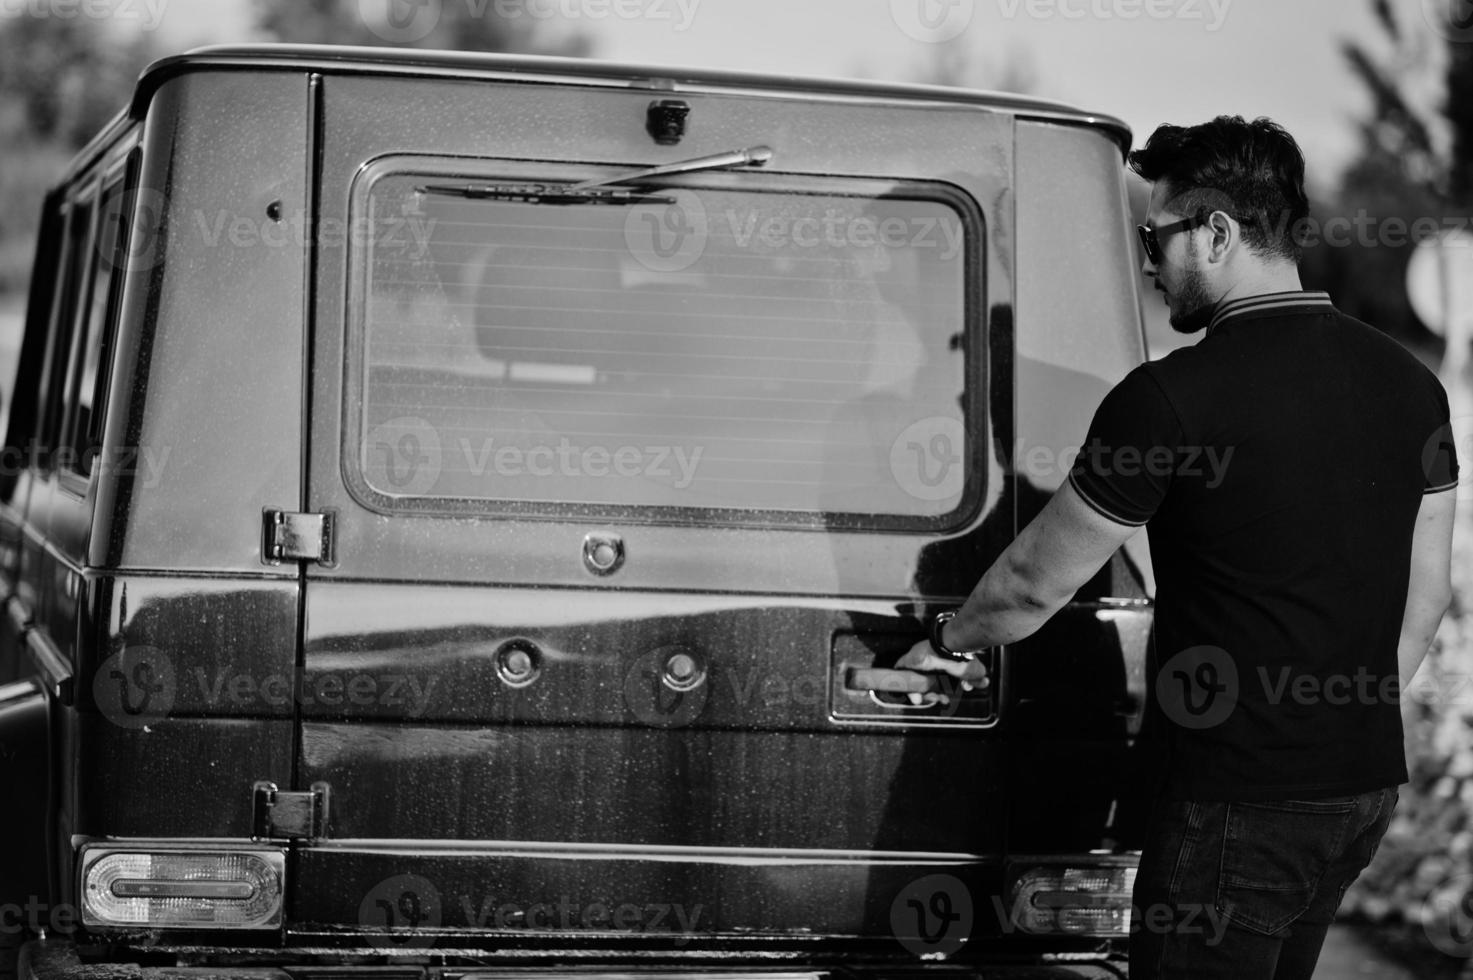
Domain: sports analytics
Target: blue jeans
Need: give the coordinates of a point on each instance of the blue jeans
(1247, 890)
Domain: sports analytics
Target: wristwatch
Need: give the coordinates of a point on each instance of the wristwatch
(937, 625)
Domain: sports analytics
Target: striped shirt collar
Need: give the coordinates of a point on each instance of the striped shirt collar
(1294, 299)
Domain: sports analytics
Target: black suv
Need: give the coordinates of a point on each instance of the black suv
(461, 514)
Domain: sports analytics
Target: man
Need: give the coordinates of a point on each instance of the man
(1301, 580)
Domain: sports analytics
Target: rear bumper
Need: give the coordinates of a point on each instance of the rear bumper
(58, 960)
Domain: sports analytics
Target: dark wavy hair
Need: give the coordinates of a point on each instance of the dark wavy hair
(1254, 171)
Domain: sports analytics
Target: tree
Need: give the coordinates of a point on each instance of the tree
(64, 78)
(462, 25)
(61, 80)
(1402, 175)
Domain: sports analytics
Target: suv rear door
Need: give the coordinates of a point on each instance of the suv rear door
(627, 499)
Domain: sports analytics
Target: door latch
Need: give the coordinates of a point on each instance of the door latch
(279, 815)
(287, 536)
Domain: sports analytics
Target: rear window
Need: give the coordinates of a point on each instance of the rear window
(741, 347)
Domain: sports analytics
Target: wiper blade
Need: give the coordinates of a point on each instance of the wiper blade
(599, 191)
(545, 194)
(754, 156)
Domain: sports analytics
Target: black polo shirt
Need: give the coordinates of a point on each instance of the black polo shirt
(1279, 464)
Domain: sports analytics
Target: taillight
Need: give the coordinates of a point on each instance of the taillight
(1080, 900)
(182, 886)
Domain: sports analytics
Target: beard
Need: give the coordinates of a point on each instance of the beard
(1194, 308)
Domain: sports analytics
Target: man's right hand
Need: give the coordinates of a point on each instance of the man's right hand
(922, 659)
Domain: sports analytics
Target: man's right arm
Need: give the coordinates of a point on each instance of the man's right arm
(1430, 591)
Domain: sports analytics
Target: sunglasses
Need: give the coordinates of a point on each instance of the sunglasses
(1151, 237)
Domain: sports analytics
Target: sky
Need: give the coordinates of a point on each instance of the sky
(1145, 61)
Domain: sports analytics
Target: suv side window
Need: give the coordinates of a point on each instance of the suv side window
(22, 410)
(86, 379)
(70, 300)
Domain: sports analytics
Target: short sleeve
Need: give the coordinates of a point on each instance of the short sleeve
(1126, 463)
(1440, 452)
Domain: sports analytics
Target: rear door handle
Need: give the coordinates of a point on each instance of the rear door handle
(891, 681)
(863, 693)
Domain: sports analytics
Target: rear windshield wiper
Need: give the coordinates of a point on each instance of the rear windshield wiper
(755, 156)
(600, 191)
(544, 194)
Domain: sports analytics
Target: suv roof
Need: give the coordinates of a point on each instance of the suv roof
(343, 59)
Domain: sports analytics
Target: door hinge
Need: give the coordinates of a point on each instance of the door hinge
(279, 815)
(287, 536)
